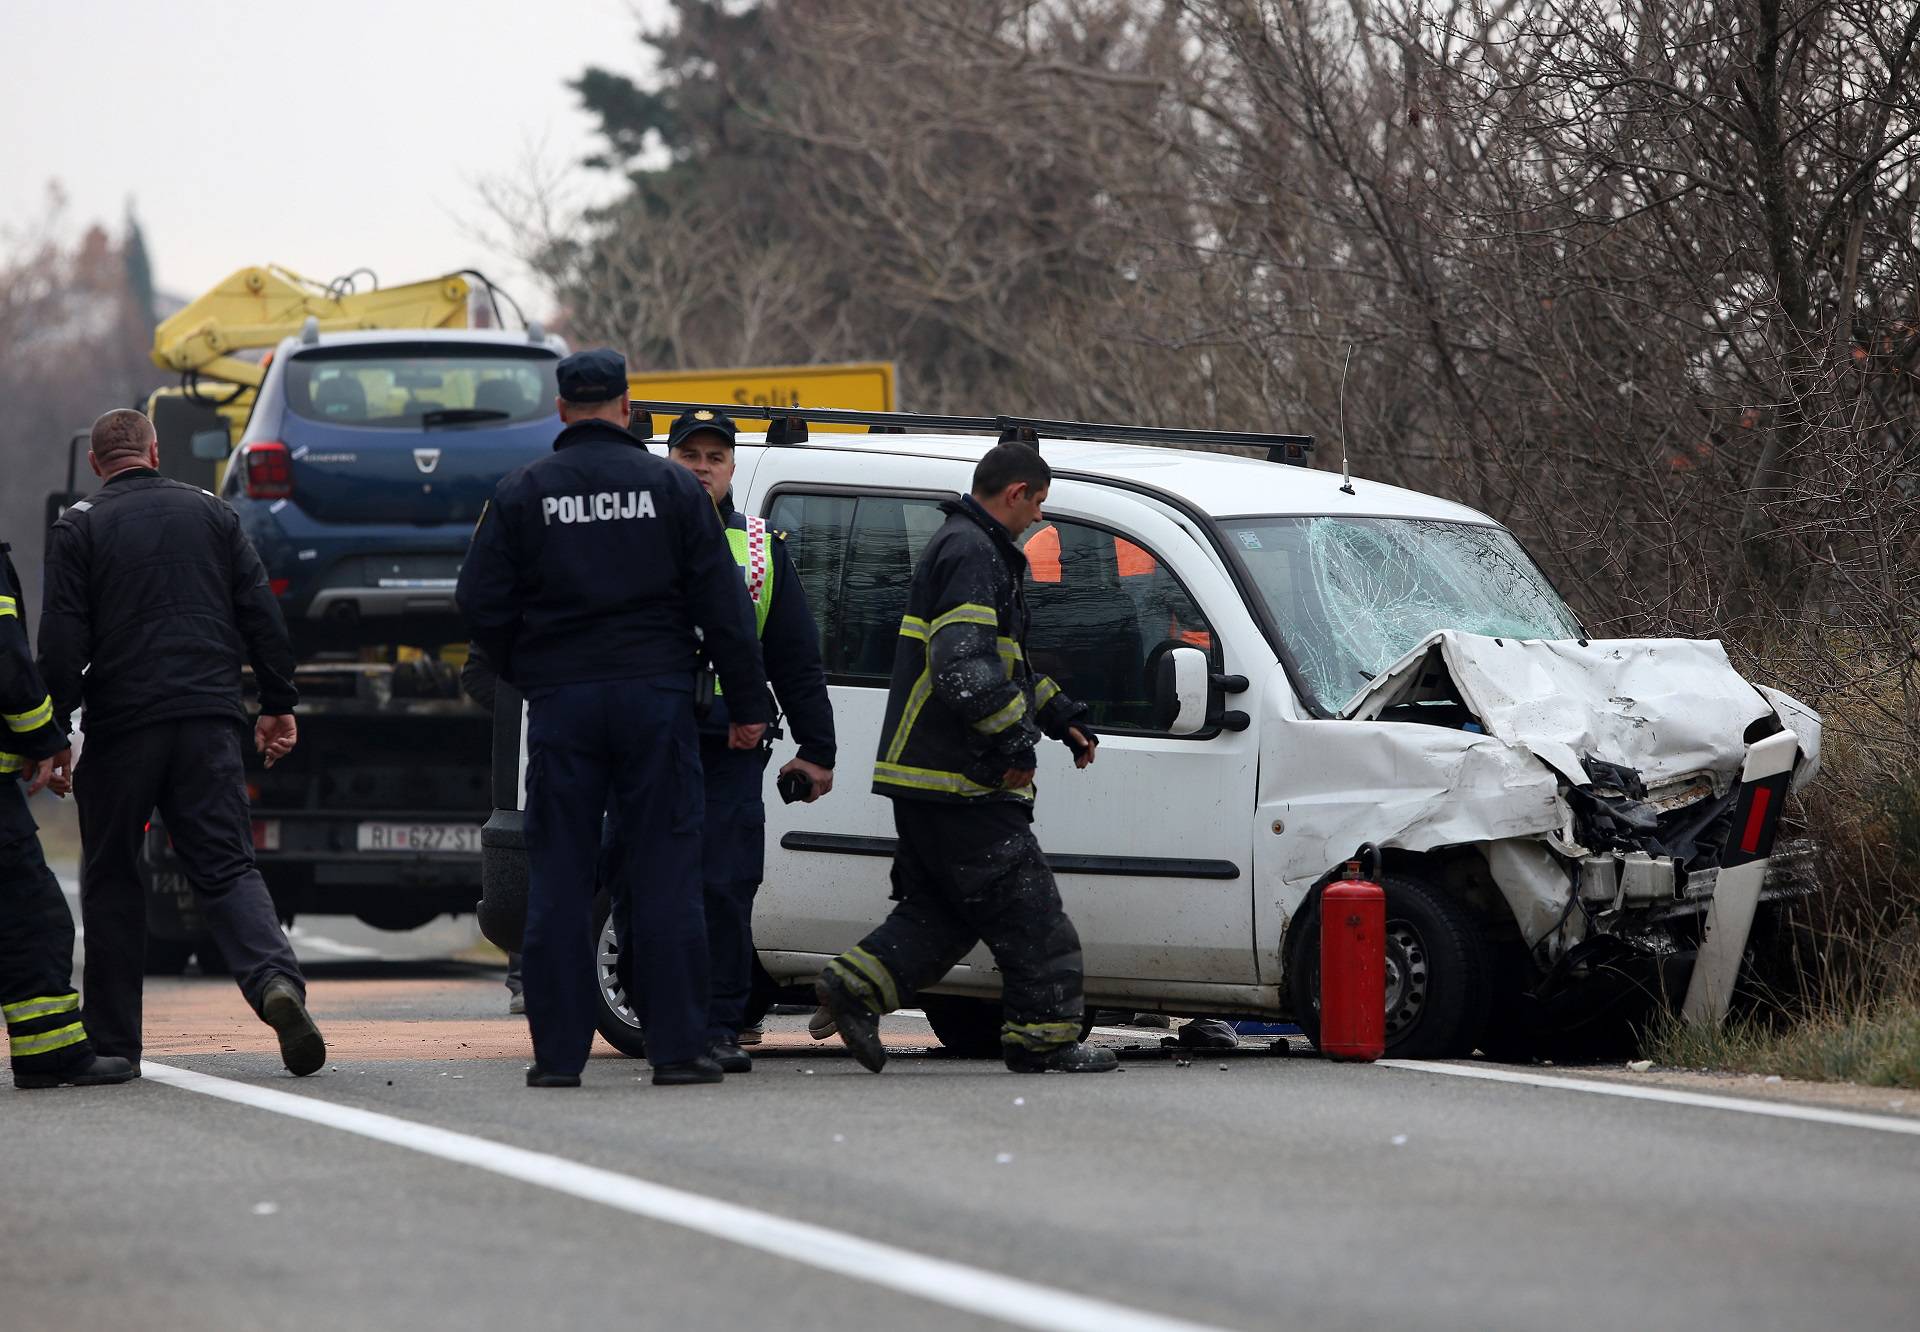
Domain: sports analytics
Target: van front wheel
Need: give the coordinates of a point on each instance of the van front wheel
(1437, 972)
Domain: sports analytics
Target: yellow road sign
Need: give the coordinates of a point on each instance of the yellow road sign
(865, 386)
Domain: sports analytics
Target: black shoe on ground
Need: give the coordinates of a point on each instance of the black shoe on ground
(691, 1073)
(301, 1048)
(1209, 1034)
(540, 1077)
(730, 1057)
(1076, 1058)
(99, 1071)
(859, 1029)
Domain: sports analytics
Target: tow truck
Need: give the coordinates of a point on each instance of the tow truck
(358, 430)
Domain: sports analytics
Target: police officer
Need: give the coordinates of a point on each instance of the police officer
(964, 712)
(589, 573)
(702, 441)
(154, 595)
(46, 1036)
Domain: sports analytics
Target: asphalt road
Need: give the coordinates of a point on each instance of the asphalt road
(1234, 1192)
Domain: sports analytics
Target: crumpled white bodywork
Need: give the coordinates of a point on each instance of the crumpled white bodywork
(1674, 710)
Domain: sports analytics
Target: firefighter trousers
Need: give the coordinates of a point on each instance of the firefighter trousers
(42, 1010)
(192, 771)
(966, 874)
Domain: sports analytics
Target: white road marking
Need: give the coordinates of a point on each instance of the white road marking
(935, 1280)
(1670, 1096)
(332, 947)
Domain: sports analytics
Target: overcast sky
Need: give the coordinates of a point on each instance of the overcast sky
(322, 136)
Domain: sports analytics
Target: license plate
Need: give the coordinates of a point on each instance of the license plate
(428, 838)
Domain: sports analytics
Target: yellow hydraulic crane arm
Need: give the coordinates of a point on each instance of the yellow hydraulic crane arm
(256, 307)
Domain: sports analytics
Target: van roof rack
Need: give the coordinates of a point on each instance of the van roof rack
(1279, 448)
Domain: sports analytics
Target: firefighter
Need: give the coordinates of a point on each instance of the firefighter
(45, 1033)
(964, 713)
(701, 441)
(154, 597)
(590, 571)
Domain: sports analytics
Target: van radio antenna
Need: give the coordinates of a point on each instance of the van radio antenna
(1346, 477)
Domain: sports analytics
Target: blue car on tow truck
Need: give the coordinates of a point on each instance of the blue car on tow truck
(366, 463)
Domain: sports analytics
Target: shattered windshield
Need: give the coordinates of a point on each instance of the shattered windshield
(1353, 595)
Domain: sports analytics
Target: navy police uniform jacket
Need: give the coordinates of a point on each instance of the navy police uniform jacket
(599, 562)
(790, 644)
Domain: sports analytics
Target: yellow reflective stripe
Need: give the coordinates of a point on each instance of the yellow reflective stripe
(916, 701)
(999, 721)
(970, 612)
(912, 626)
(931, 779)
(31, 720)
(8, 606)
(48, 1041)
(1011, 653)
(1039, 1035)
(1044, 691)
(11, 763)
(876, 973)
(25, 1010)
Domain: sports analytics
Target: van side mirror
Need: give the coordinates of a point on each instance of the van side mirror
(210, 445)
(1181, 691)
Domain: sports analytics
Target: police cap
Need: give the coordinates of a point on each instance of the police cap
(698, 419)
(598, 374)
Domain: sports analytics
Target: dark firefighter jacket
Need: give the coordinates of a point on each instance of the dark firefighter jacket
(790, 643)
(963, 706)
(27, 729)
(598, 562)
(155, 593)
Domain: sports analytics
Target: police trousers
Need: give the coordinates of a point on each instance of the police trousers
(192, 771)
(37, 997)
(733, 860)
(625, 750)
(967, 874)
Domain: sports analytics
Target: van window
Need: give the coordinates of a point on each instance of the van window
(1102, 604)
(855, 556)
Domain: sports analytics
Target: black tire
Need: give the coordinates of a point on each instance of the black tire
(167, 957)
(1438, 979)
(968, 1028)
(613, 1013)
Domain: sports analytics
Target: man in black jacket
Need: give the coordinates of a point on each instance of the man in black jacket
(734, 856)
(46, 1038)
(964, 714)
(154, 598)
(590, 571)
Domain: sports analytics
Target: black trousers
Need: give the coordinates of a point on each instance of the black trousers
(192, 772)
(628, 747)
(37, 997)
(733, 854)
(966, 874)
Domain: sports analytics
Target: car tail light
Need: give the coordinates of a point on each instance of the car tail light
(269, 471)
(266, 834)
(279, 586)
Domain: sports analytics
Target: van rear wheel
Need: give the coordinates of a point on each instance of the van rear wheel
(613, 1009)
(1438, 980)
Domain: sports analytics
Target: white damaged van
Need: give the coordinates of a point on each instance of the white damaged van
(1282, 667)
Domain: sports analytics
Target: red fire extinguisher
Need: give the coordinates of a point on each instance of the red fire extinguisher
(1353, 962)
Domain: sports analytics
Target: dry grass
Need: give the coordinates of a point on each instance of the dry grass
(1877, 1046)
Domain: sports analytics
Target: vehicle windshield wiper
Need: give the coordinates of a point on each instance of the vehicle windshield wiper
(461, 416)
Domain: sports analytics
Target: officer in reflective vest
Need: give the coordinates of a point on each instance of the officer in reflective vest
(45, 1034)
(734, 852)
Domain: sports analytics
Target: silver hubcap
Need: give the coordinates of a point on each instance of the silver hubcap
(607, 962)
(1407, 977)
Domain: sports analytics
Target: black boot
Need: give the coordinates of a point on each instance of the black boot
(1076, 1058)
(540, 1077)
(282, 1008)
(691, 1073)
(858, 1028)
(98, 1071)
(730, 1057)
